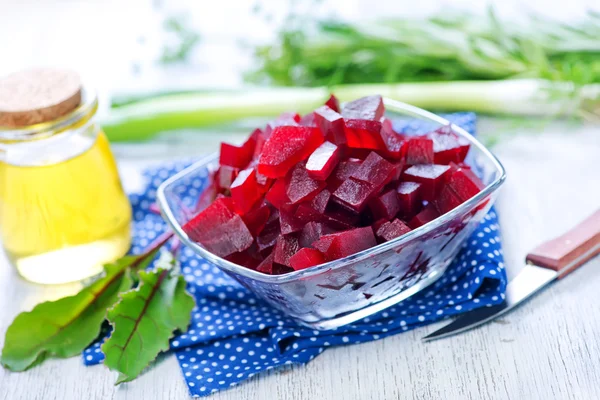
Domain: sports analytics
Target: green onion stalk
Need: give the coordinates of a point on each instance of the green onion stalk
(523, 97)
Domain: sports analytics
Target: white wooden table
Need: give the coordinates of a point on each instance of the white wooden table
(547, 349)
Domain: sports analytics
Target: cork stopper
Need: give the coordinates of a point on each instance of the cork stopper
(38, 95)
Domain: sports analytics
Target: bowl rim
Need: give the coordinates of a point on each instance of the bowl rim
(391, 105)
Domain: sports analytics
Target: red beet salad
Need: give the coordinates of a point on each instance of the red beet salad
(315, 188)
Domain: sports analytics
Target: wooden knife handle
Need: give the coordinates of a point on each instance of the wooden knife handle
(571, 250)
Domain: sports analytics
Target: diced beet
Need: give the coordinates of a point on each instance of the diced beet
(363, 134)
(343, 171)
(309, 120)
(219, 229)
(398, 169)
(260, 137)
(348, 242)
(465, 183)
(367, 108)
(447, 146)
(313, 209)
(238, 157)
(266, 266)
(430, 176)
(447, 200)
(225, 176)
(393, 229)
(340, 217)
(323, 160)
(419, 150)
(287, 146)
(311, 232)
(245, 191)
(300, 186)
(256, 219)
(392, 142)
(375, 170)
(333, 103)
(263, 181)
(277, 195)
(354, 194)
(323, 243)
(331, 124)
(306, 258)
(386, 205)
(249, 258)
(288, 221)
(288, 117)
(409, 198)
(268, 237)
(285, 248)
(428, 214)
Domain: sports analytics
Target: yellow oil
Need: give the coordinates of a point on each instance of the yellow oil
(60, 222)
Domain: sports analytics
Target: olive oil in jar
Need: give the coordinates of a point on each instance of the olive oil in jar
(63, 212)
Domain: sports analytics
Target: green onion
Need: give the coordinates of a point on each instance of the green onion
(144, 118)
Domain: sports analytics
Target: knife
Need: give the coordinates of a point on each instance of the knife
(550, 261)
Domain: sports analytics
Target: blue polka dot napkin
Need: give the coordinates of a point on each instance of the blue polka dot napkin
(233, 335)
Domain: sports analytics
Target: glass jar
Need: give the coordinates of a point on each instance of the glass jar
(63, 212)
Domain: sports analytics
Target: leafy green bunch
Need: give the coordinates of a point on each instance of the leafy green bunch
(144, 308)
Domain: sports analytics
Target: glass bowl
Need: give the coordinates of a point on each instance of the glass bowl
(339, 292)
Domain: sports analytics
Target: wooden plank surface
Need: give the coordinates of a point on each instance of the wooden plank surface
(545, 349)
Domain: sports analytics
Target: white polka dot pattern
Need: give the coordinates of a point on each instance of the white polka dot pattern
(234, 336)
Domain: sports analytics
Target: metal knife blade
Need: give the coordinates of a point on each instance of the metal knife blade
(555, 258)
(531, 279)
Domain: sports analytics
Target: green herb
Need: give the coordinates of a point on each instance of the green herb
(449, 47)
(64, 328)
(186, 41)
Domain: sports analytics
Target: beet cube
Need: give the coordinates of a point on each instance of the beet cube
(249, 258)
(285, 248)
(290, 118)
(465, 183)
(409, 198)
(260, 137)
(419, 150)
(363, 134)
(225, 176)
(268, 236)
(311, 232)
(313, 209)
(266, 266)
(288, 221)
(348, 242)
(340, 217)
(309, 120)
(256, 219)
(447, 200)
(343, 171)
(287, 146)
(428, 214)
(354, 194)
(306, 258)
(367, 108)
(392, 143)
(300, 186)
(393, 229)
(333, 103)
(331, 124)
(277, 195)
(323, 243)
(323, 160)
(447, 146)
(386, 205)
(375, 170)
(246, 191)
(219, 229)
(430, 176)
(238, 156)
